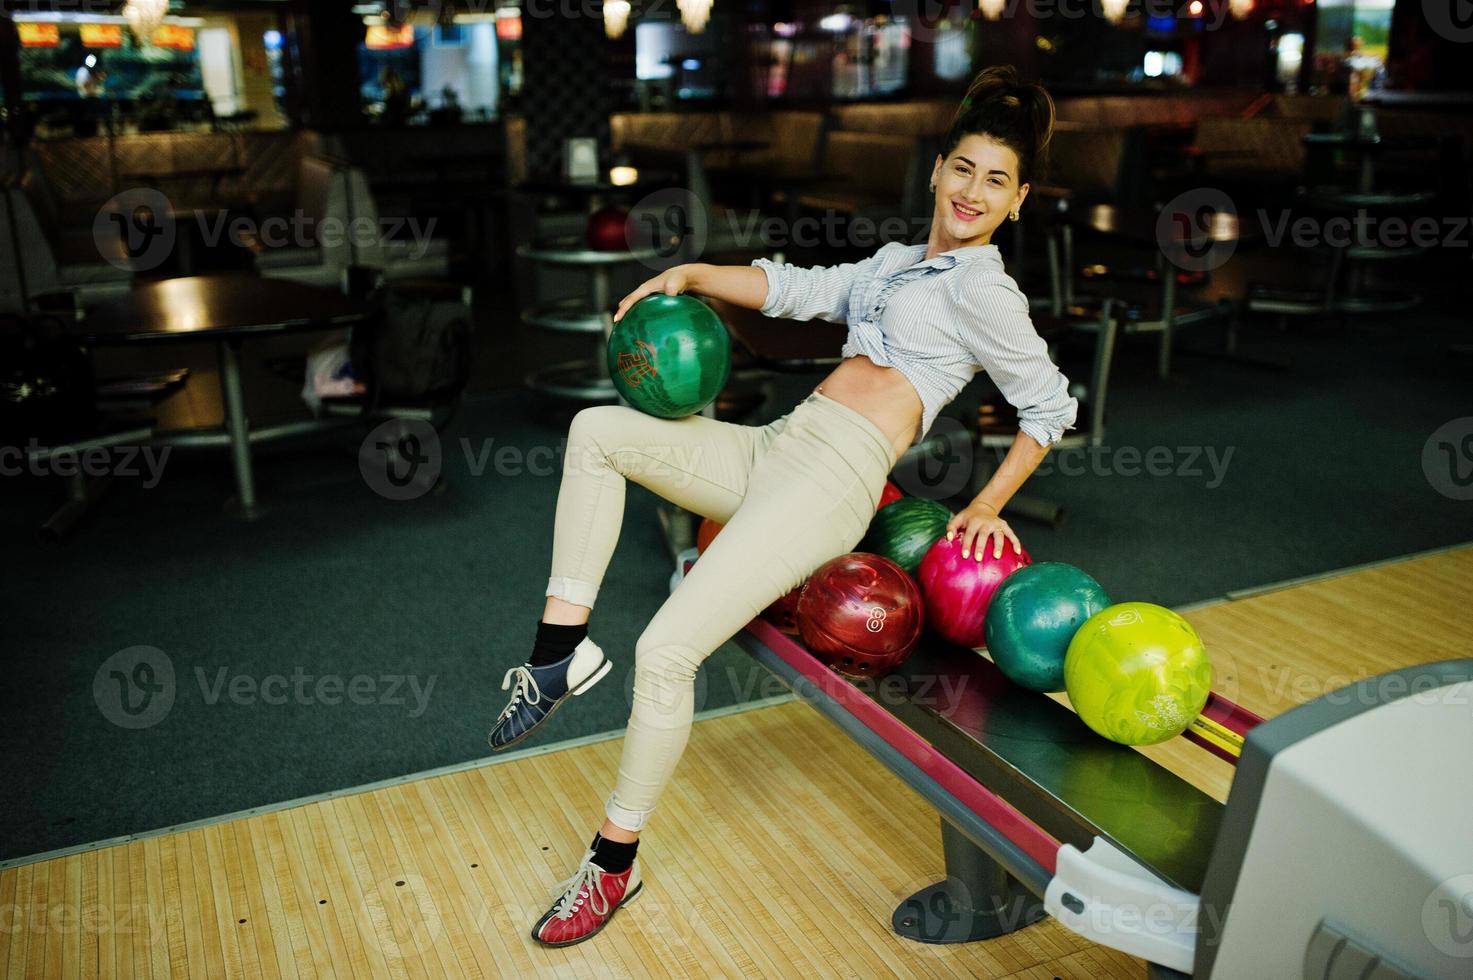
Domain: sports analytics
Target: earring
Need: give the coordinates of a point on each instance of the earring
(1012, 216)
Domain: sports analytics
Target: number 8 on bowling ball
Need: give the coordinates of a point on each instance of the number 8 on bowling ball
(860, 614)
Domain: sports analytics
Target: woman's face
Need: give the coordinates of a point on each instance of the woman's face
(976, 187)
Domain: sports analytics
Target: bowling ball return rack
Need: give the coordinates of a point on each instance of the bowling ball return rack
(1039, 815)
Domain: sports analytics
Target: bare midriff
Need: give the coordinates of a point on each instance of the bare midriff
(881, 394)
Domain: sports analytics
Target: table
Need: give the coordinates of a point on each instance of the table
(1365, 146)
(227, 310)
(1358, 204)
(584, 379)
(614, 180)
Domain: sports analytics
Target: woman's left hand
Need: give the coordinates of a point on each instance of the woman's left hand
(977, 525)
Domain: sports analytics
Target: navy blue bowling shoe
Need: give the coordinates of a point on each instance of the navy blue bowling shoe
(541, 690)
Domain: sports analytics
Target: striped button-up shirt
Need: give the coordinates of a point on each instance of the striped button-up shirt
(938, 322)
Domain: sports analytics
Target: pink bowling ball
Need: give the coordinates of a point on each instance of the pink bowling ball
(957, 591)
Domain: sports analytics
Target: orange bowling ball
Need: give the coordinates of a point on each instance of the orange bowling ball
(706, 534)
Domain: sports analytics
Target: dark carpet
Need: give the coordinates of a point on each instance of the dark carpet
(344, 638)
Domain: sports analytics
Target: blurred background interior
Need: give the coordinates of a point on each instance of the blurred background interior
(177, 178)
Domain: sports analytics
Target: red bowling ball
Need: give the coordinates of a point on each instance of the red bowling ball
(783, 613)
(607, 230)
(957, 590)
(860, 614)
(890, 494)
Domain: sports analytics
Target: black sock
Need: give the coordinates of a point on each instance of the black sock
(555, 642)
(611, 855)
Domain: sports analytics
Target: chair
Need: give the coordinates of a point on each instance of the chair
(396, 259)
(994, 430)
(48, 258)
(321, 197)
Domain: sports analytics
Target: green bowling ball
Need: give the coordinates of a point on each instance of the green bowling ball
(1137, 673)
(669, 356)
(1033, 616)
(905, 530)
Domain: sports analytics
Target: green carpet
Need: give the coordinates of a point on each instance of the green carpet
(412, 611)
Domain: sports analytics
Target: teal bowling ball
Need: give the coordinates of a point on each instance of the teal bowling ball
(669, 356)
(1034, 614)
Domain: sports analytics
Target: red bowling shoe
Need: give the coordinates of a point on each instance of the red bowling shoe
(586, 902)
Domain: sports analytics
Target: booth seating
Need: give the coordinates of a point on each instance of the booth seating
(794, 137)
(1180, 108)
(862, 188)
(690, 145)
(45, 256)
(1255, 159)
(321, 195)
(923, 117)
(256, 169)
(1039, 815)
(334, 193)
(60, 186)
(396, 256)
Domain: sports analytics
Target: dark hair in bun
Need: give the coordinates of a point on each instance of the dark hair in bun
(1003, 107)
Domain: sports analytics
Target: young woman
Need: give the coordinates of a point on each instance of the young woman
(923, 319)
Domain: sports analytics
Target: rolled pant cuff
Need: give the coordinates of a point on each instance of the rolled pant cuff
(625, 818)
(572, 590)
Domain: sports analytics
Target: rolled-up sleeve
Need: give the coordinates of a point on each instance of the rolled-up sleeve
(1002, 338)
(803, 294)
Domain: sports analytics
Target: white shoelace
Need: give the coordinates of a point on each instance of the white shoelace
(570, 893)
(527, 689)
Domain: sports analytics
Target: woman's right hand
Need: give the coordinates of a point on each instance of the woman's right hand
(671, 282)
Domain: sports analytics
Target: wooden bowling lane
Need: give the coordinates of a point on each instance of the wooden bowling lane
(779, 851)
(1284, 646)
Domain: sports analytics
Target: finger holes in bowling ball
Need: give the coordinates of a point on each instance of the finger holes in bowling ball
(864, 666)
(847, 661)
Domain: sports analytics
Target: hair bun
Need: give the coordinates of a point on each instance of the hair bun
(1000, 104)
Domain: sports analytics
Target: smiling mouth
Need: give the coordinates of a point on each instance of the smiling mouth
(964, 213)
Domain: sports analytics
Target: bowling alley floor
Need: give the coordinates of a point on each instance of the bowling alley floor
(779, 850)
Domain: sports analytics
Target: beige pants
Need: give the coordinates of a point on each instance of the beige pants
(792, 494)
